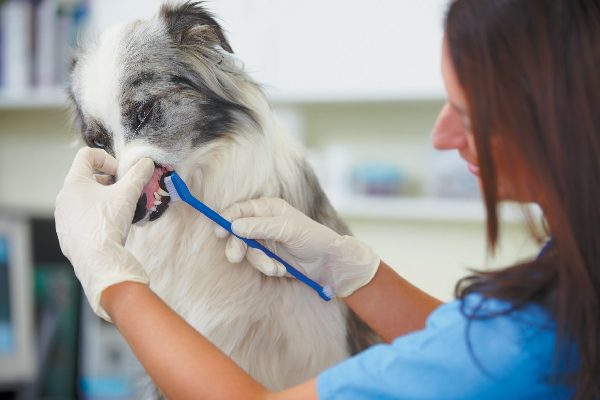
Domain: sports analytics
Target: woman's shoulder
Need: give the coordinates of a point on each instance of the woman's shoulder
(489, 320)
(476, 306)
(496, 333)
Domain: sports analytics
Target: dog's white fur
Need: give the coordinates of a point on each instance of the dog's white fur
(277, 329)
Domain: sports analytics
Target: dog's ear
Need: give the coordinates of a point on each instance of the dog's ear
(191, 24)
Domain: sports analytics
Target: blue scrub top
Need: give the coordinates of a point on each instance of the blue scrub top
(501, 357)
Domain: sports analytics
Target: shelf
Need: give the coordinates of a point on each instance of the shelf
(423, 209)
(47, 98)
(56, 98)
(278, 98)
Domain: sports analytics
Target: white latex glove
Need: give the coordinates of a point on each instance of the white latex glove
(342, 262)
(92, 222)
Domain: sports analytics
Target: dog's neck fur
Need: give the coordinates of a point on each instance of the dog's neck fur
(263, 161)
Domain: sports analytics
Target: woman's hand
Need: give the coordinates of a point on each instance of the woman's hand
(342, 262)
(92, 222)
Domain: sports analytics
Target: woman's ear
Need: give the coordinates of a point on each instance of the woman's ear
(190, 24)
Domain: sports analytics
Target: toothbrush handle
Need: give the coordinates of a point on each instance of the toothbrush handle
(186, 196)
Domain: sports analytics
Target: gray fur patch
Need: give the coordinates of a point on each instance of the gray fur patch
(316, 205)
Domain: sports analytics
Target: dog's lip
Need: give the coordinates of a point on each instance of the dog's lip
(147, 203)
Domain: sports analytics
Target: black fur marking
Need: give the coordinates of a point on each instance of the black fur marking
(142, 77)
(183, 81)
(91, 130)
(161, 181)
(160, 210)
(95, 135)
(216, 115)
(181, 21)
(165, 200)
(140, 209)
(216, 118)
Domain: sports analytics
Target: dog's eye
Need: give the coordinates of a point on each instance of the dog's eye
(96, 137)
(143, 113)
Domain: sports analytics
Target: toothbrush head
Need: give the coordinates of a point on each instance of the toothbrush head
(171, 188)
(328, 293)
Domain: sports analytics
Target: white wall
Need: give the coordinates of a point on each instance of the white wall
(313, 49)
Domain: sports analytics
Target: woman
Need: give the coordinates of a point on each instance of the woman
(523, 86)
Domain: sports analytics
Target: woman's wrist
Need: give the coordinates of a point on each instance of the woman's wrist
(391, 305)
(115, 298)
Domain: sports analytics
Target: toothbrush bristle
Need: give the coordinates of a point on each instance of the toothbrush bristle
(171, 189)
(328, 291)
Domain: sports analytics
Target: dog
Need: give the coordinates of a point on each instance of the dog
(171, 89)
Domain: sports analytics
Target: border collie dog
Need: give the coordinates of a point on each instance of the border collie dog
(171, 89)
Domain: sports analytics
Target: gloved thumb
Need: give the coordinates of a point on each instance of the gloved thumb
(133, 182)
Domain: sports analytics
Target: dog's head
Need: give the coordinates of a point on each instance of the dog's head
(162, 88)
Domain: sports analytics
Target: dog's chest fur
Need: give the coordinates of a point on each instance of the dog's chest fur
(279, 331)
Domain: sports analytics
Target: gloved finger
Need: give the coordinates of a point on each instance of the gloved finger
(264, 263)
(235, 250)
(104, 179)
(133, 182)
(88, 161)
(272, 228)
(221, 233)
(263, 207)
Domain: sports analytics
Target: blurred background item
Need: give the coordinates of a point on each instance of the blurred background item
(36, 41)
(448, 178)
(377, 179)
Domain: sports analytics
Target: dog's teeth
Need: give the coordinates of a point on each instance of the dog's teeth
(162, 192)
(153, 208)
(156, 196)
(157, 203)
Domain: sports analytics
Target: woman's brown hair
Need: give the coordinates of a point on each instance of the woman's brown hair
(530, 70)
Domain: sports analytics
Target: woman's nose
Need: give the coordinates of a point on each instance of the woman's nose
(448, 131)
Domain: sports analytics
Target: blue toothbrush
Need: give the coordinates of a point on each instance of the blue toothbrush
(179, 191)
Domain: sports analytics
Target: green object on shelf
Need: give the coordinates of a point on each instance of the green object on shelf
(57, 305)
